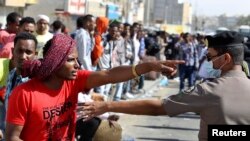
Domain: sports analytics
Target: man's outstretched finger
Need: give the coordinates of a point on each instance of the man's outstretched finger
(175, 61)
(167, 69)
(173, 73)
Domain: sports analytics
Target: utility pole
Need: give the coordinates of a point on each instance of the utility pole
(86, 7)
(195, 17)
(195, 23)
(203, 25)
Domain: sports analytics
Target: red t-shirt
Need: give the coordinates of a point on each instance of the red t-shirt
(46, 114)
(6, 44)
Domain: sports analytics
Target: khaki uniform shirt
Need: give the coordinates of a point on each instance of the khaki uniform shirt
(225, 100)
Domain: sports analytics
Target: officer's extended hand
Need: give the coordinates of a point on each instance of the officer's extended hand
(89, 110)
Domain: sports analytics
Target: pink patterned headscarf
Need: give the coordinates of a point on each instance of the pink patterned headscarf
(61, 46)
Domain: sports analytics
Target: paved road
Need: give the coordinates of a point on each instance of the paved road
(160, 128)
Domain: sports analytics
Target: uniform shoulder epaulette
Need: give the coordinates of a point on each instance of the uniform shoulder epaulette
(207, 80)
(187, 91)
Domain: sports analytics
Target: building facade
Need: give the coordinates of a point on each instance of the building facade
(168, 14)
(8, 6)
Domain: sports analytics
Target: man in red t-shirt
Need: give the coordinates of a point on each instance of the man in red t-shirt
(45, 109)
(7, 36)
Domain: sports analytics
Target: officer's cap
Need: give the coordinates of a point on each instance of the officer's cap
(225, 39)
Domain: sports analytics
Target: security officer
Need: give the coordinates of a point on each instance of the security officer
(223, 100)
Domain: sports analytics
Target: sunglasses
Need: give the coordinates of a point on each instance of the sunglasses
(209, 58)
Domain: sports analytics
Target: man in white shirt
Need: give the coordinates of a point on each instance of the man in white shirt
(42, 33)
(85, 42)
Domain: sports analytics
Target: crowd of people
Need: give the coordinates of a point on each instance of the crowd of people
(45, 70)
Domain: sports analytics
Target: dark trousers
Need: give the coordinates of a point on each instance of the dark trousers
(186, 72)
(141, 82)
(85, 130)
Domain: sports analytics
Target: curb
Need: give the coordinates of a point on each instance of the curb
(149, 89)
(156, 82)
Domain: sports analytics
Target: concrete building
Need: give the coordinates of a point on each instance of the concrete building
(139, 11)
(96, 8)
(229, 22)
(148, 14)
(187, 16)
(168, 13)
(132, 10)
(8, 6)
(46, 7)
(66, 10)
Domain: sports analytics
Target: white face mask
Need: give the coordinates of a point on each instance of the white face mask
(211, 72)
(215, 73)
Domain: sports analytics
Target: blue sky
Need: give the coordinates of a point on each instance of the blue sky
(218, 7)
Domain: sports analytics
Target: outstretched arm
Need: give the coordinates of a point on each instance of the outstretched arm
(139, 107)
(124, 73)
